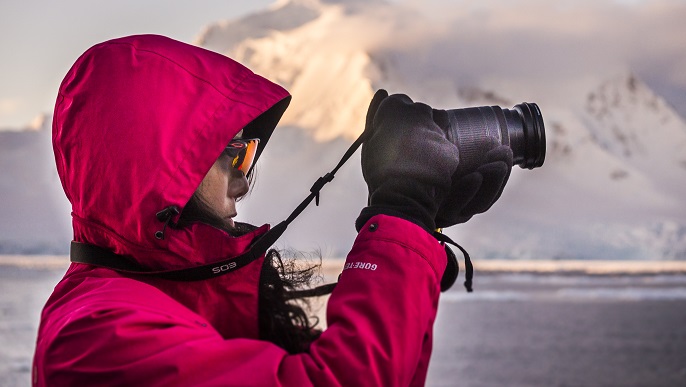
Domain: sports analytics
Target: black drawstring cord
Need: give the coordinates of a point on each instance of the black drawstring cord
(166, 216)
(448, 276)
(469, 269)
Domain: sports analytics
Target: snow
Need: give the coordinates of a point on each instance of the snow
(33, 207)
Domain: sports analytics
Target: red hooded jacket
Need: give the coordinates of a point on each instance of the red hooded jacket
(138, 123)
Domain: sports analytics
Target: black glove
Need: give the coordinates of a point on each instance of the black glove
(475, 192)
(407, 161)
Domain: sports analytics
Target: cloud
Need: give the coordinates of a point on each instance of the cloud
(8, 106)
(557, 49)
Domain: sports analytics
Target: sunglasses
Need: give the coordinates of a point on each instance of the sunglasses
(242, 153)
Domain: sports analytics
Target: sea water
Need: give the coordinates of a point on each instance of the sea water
(518, 328)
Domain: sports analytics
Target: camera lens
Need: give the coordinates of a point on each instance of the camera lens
(532, 136)
(476, 130)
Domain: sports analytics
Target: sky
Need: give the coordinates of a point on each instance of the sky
(562, 44)
(41, 39)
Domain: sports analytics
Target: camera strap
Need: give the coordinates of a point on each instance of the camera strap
(101, 257)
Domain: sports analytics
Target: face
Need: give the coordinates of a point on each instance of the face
(222, 187)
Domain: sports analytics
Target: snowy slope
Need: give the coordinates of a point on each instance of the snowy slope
(638, 127)
(34, 213)
(613, 184)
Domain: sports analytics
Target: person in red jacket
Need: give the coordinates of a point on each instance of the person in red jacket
(153, 140)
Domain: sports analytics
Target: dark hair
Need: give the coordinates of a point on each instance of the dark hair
(282, 320)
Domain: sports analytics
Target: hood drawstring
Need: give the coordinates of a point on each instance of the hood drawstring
(166, 216)
(451, 271)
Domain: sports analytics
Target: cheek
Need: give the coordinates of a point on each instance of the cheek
(214, 187)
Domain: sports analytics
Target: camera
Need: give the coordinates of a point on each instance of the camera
(475, 130)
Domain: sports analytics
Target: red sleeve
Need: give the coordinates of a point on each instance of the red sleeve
(380, 320)
(384, 306)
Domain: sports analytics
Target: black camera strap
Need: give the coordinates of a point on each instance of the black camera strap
(101, 257)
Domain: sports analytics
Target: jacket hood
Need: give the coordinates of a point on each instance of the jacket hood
(137, 124)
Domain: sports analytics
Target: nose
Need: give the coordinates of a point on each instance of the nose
(238, 184)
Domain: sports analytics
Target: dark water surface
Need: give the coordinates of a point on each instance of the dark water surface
(23, 293)
(533, 330)
(514, 330)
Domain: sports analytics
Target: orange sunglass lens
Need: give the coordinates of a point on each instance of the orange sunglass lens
(247, 149)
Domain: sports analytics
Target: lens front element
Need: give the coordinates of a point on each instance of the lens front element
(533, 135)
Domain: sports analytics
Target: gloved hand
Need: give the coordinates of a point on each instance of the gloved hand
(475, 192)
(407, 161)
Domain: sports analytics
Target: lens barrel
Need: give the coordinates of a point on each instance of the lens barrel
(476, 130)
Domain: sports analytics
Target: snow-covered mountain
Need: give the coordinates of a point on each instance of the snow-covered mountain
(34, 212)
(612, 186)
(586, 202)
(638, 127)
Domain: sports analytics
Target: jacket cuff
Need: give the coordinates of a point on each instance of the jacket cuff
(369, 212)
(408, 234)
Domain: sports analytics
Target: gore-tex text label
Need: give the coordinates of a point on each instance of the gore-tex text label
(360, 265)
